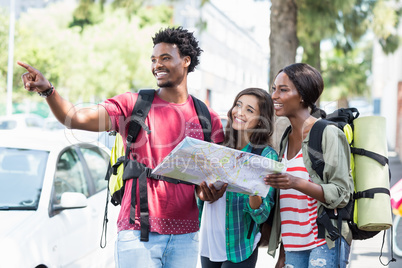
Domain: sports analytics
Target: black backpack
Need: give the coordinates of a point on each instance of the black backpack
(342, 118)
(139, 172)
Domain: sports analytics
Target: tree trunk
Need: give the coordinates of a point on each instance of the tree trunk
(283, 36)
(283, 45)
(313, 57)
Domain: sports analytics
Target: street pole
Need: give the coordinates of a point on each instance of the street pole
(10, 59)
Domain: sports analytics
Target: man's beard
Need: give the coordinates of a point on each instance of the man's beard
(165, 84)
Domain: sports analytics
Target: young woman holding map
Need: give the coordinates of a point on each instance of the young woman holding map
(230, 225)
(302, 193)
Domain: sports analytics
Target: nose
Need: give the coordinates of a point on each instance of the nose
(156, 64)
(274, 94)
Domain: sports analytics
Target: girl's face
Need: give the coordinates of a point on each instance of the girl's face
(287, 100)
(246, 113)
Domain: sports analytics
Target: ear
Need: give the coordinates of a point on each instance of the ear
(186, 61)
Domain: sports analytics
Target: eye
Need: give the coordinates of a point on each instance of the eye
(153, 60)
(238, 105)
(165, 58)
(250, 111)
(273, 89)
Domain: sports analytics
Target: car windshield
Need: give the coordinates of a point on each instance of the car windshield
(21, 178)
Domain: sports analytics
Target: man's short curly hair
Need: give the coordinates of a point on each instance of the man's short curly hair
(185, 41)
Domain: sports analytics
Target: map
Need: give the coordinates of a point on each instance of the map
(196, 161)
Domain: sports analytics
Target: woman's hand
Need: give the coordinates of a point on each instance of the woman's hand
(281, 181)
(286, 181)
(210, 194)
(255, 201)
(281, 259)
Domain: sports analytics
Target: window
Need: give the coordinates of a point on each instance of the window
(69, 176)
(97, 161)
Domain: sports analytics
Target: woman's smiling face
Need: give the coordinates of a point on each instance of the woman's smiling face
(246, 113)
(287, 99)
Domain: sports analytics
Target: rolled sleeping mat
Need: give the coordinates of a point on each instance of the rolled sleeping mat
(373, 214)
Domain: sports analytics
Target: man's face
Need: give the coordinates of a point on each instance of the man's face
(167, 66)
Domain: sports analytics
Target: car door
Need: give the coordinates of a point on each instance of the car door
(74, 239)
(96, 160)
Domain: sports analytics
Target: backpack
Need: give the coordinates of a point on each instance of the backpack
(344, 119)
(121, 168)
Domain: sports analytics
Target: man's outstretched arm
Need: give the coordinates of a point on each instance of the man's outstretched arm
(94, 118)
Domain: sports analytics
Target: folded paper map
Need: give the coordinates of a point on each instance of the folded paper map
(196, 161)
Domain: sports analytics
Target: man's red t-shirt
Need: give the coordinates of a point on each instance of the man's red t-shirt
(172, 207)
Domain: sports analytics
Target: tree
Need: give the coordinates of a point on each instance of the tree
(345, 74)
(87, 12)
(343, 22)
(283, 36)
(108, 58)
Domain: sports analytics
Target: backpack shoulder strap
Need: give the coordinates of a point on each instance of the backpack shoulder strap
(315, 146)
(204, 116)
(138, 115)
(285, 133)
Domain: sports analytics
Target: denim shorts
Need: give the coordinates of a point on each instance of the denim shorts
(319, 257)
(167, 251)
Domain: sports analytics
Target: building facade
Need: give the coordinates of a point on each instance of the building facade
(387, 92)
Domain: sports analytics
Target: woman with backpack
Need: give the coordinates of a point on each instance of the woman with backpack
(230, 225)
(302, 194)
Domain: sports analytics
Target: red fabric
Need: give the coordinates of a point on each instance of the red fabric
(172, 208)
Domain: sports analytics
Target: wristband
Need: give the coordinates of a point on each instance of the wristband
(47, 92)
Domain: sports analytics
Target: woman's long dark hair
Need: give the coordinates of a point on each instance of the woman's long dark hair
(262, 133)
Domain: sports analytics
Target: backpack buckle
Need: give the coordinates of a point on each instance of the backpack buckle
(148, 172)
(333, 235)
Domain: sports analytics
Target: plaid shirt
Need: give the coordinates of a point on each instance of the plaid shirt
(239, 217)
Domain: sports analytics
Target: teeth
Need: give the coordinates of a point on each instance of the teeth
(159, 74)
(277, 105)
(239, 120)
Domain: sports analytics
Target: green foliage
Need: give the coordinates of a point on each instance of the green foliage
(87, 13)
(156, 14)
(108, 58)
(390, 44)
(345, 23)
(345, 74)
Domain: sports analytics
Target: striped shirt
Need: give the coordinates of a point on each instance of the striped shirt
(298, 211)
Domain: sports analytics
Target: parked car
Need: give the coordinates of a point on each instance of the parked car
(21, 121)
(52, 202)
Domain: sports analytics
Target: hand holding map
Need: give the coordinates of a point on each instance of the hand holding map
(196, 161)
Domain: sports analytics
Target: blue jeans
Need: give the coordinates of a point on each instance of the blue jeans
(168, 251)
(319, 257)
